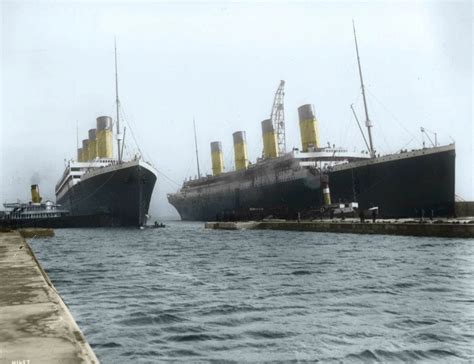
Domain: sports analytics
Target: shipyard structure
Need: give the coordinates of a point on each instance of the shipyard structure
(305, 181)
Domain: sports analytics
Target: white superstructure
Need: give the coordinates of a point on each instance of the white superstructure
(75, 171)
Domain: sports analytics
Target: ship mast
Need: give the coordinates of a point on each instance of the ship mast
(368, 123)
(195, 144)
(117, 104)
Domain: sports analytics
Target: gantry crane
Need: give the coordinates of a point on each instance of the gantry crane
(278, 117)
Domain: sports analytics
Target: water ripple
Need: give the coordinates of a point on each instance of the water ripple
(186, 294)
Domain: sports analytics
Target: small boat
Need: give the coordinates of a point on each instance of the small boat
(156, 225)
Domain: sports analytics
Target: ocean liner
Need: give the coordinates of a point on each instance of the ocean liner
(287, 184)
(100, 190)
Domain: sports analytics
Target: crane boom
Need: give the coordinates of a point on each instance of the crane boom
(278, 117)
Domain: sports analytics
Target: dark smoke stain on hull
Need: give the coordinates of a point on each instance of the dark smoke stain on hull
(402, 185)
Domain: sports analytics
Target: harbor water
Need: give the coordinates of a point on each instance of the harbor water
(187, 294)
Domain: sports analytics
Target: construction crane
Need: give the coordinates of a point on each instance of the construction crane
(278, 117)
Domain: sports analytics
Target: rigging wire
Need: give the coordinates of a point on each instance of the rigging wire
(346, 127)
(406, 145)
(360, 128)
(146, 156)
(189, 164)
(130, 155)
(129, 152)
(128, 121)
(380, 132)
(168, 178)
(389, 112)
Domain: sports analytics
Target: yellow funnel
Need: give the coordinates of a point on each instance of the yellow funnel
(269, 140)
(217, 158)
(104, 137)
(79, 155)
(35, 194)
(85, 150)
(308, 127)
(92, 144)
(240, 150)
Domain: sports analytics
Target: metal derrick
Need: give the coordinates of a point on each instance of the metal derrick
(278, 117)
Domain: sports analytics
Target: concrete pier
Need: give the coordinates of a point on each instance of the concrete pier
(453, 229)
(35, 324)
(228, 225)
(464, 208)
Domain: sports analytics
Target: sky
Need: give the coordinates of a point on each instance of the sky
(220, 62)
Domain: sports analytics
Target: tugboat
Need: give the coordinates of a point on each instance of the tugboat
(34, 213)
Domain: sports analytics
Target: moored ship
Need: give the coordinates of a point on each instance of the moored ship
(35, 213)
(301, 182)
(402, 184)
(100, 190)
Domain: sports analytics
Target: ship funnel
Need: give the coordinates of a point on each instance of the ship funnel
(92, 144)
(240, 150)
(79, 155)
(308, 127)
(269, 140)
(35, 194)
(85, 150)
(326, 192)
(104, 137)
(217, 158)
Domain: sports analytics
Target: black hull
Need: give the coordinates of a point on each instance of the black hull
(119, 197)
(401, 187)
(279, 200)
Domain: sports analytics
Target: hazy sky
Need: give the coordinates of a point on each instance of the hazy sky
(221, 62)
